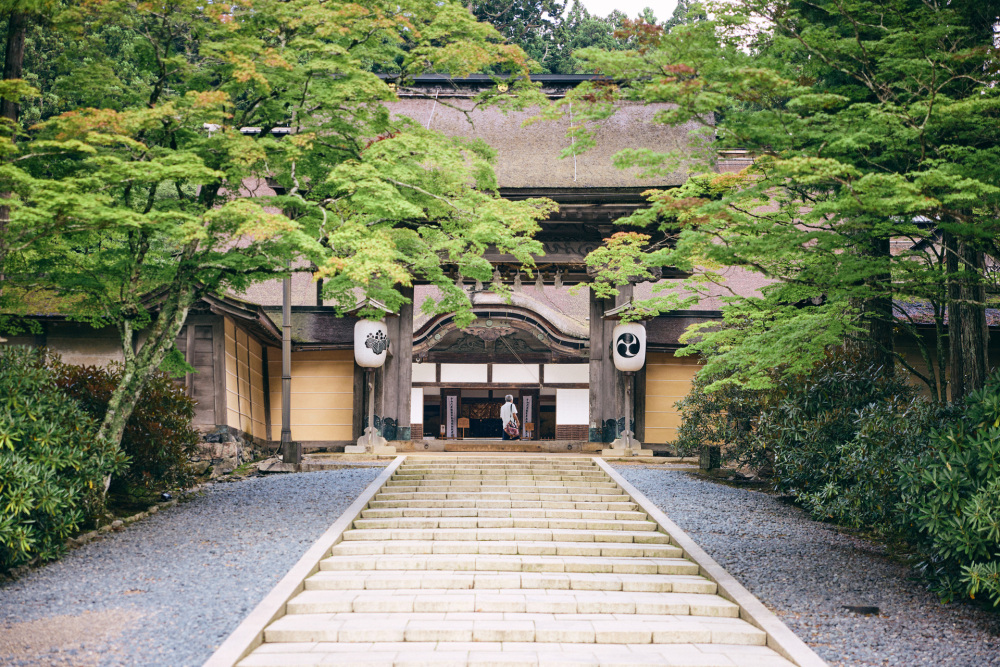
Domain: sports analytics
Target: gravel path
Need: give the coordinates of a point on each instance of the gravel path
(169, 589)
(806, 571)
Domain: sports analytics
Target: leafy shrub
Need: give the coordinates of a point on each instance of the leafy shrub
(51, 469)
(158, 436)
(951, 500)
(839, 436)
(728, 417)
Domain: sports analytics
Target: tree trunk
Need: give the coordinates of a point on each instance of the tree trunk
(968, 332)
(13, 62)
(13, 66)
(874, 345)
(139, 367)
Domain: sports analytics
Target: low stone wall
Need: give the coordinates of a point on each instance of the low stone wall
(224, 448)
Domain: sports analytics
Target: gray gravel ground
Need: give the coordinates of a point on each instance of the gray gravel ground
(181, 580)
(806, 571)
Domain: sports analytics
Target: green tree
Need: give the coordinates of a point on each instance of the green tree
(519, 21)
(870, 122)
(161, 199)
(580, 29)
(686, 11)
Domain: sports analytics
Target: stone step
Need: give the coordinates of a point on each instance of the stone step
(491, 482)
(458, 512)
(472, 468)
(506, 535)
(495, 469)
(567, 495)
(501, 492)
(524, 485)
(472, 471)
(408, 580)
(510, 654)
(479, 473)
(505, 504)
(351, 627)
(567, 473)
(431, 600)
(426, 523)
(597, 564)
(505, 548)
(444, 459)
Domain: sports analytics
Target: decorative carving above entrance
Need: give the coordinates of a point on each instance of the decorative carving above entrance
(499, 334)
(489, 333)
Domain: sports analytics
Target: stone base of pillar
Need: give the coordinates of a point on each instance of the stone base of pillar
(370, 443)
(619, 448)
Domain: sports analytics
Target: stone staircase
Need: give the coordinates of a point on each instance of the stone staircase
(508, 561)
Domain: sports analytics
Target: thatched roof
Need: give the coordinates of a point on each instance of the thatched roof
(528, 157)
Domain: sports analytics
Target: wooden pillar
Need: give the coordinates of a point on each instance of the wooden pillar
(621, 380)
(291, 451)
(598, 355)
(398, 371)
(607, 385)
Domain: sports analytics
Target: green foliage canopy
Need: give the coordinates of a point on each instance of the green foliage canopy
(869, 123)
(182, 187)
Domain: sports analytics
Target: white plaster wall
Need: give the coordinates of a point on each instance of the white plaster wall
(572, 406)
(567, 373)
(516, 373)
(423, 373)
(463, 372)
(417, 405)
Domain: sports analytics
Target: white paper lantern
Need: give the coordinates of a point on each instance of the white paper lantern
(629, 346)
(371, 343)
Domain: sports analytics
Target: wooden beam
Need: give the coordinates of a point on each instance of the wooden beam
(506, 385)
(219, 369)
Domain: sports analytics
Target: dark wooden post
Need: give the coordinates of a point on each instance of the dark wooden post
(398, 372)
(607, 385)
(598, 357)
(291, 452)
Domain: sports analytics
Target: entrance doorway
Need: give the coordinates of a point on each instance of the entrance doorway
(454, 413)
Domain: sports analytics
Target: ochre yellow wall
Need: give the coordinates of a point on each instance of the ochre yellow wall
(244, 382)
(322, 394)
(257, 386)
(232, 375)
(668, 379)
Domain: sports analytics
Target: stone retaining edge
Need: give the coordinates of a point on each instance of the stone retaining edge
(779, 636)
(250, 633)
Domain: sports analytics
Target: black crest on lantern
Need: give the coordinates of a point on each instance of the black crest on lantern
(628, 345)
(377, 342)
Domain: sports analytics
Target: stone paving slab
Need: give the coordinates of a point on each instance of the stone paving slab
(507, 561)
